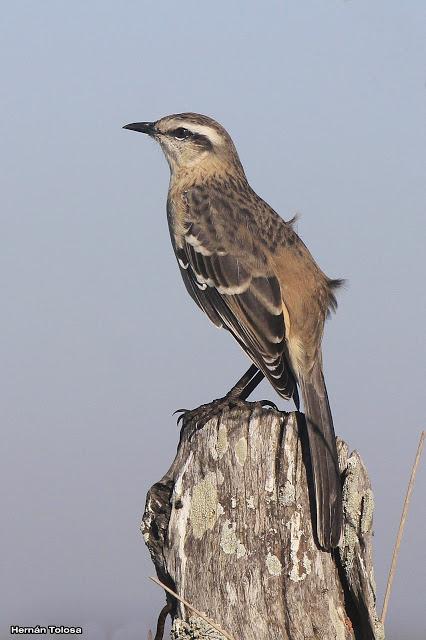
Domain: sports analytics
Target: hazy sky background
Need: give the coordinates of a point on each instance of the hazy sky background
(99, 341)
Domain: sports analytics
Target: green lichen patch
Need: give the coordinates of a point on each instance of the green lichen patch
(229, 542)
(367, 512)
(204, 507)
(222, 441)
(241, 451)
(273, 565)
(287, 494)
(195, 629)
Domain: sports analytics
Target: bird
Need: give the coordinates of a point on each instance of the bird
(251, 274)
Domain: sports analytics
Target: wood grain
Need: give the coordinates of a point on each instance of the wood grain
(229, 528)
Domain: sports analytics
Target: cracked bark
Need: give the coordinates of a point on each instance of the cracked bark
(229, 529)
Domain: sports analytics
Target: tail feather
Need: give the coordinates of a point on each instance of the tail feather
(324, 460)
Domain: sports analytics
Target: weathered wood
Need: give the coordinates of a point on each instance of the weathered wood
(229, 529)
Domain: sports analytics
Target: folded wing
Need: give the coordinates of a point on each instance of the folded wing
(233, 284)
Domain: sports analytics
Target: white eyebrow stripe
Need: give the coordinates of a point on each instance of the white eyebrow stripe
(203, 130)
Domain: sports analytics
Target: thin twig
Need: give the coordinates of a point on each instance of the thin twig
(401, 527)
(187, 604)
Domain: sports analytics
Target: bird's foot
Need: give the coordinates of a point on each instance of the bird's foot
(195, 419)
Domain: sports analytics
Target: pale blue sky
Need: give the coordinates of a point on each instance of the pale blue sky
(325, 101)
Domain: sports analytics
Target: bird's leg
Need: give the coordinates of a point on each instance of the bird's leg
(246, 385)
(251, 386)
(239, 390)
(235, 397)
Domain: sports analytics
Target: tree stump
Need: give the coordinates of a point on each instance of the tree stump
(229, 529)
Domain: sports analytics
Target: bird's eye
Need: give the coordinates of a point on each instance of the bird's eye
(181, 133)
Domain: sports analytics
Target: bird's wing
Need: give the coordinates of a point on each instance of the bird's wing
(226, 272)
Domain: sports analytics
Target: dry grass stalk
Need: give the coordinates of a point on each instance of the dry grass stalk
(401, 526)
(193, 609)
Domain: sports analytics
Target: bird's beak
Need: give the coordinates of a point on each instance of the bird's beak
(143, 127)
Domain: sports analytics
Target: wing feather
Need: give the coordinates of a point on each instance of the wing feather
(232, 283)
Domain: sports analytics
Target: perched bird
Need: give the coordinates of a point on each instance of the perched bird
(248, 270)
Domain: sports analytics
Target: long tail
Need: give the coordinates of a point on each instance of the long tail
(323, 452)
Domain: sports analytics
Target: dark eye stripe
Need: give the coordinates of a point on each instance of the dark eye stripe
(180, 133)
(184, 134)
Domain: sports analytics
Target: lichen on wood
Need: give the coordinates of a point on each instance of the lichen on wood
(229, 527)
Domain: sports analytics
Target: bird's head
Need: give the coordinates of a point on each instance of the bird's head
(190, 141)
